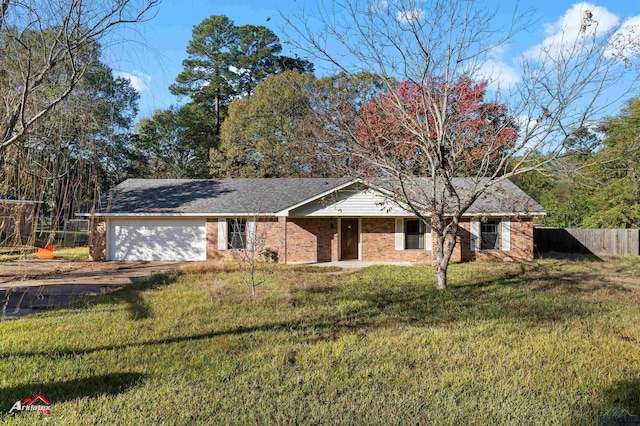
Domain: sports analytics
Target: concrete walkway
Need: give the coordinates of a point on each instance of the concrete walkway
(353, 264)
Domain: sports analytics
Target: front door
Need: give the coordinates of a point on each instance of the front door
(349, 239)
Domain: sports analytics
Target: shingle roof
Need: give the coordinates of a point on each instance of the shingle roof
(502, 197)
(248, 196)
(269, 196)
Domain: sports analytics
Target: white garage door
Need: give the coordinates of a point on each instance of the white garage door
(157, 239)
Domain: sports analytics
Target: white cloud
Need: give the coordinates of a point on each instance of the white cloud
(498, 73)
(409, 16)
(571, 28)
(238, 71)
(625, 42)
(380, 6)
(139, 80)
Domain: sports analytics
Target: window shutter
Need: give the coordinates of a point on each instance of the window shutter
(474, 230)
(251, 233)
(400, 234)
(428, 241)
(506, 235)
(222, 233)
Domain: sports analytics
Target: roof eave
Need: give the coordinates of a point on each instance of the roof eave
(165, 214)
(231, 214)
(505, 214)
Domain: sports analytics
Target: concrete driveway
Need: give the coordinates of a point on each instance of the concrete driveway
(31, 285)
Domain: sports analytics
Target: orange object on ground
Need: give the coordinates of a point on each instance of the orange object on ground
(45, 253)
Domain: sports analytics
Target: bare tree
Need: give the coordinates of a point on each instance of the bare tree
(46, 48)
(431, 47)
(248, 245)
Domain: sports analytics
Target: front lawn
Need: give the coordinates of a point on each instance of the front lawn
(544, 342)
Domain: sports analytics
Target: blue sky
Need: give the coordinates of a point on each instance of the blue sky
(153, 53)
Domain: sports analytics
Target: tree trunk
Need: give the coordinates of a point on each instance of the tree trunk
(443, 250)
(217, 112)
(441, 275)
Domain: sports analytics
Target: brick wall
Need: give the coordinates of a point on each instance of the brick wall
(98, 240)
(271, 234)
(521, 242)
(212, 242)
(269, 231)
(312, 240)
(378, 243)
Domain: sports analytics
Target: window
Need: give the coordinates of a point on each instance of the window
(490, 235)
(413, 234)
(237, 233)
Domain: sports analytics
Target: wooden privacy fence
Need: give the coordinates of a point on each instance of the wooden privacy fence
(595, 241)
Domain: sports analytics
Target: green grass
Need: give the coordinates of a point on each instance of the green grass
(544, 342)
(63, 238)
(61, 253)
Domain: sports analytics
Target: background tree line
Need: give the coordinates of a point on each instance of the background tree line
(598, 183)
(250, 111)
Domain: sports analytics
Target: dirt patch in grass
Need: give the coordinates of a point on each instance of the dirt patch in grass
(30, 286)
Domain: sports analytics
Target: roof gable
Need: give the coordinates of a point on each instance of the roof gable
(354, 200)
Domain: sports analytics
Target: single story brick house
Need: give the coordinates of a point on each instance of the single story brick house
(302, 220)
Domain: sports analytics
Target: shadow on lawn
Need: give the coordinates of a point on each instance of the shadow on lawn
(131, 295)
(530, 296)
(619, 405)
(61, 353)
(510, 297)
(56, 392)
(625, 394)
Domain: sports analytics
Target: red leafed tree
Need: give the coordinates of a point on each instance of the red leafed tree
(475, 135)
(405, 143)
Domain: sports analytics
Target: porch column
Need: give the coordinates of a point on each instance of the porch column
(282, 250)
(335, 239)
